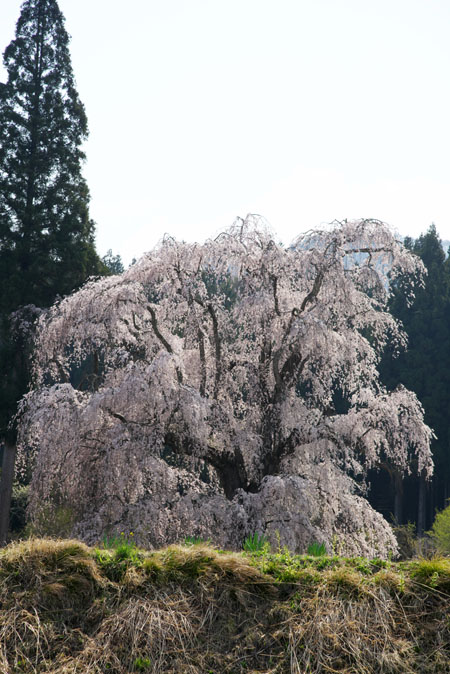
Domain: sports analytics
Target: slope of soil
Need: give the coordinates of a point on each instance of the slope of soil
(66, 608)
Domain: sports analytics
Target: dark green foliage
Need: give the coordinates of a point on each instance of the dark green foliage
(425, 367)
(46, 235)
(15, 351)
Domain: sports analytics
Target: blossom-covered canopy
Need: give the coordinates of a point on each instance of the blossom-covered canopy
(232, 361)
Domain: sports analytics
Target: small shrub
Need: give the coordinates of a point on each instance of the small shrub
(52, 521)
(316, 549)
(19, 502)
(440, 531)
(406, 539)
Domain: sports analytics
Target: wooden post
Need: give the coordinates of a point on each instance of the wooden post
(421, 510)
(6, 483)
(398, 497)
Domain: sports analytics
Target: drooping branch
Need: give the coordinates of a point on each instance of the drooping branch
(294, 364)
(217, 346)
(366, 249)
(157, 332)
(218, 350)
(312, 295)
(163, 340)
(282, 449)
(290, 362)
(274, 280)
(265, 358)
(200, 333)
(118, 416)
(294, 360)
(203, 372)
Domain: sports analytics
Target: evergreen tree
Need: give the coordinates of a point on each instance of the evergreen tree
(113, 263)
(46, 235)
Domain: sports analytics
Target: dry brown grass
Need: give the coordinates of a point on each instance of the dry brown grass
(197, 610)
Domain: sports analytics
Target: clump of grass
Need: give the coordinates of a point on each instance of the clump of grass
(434, 573)
(345, 581)
(49, 593)
(316, 549)
(285, 567)
(195, 540)
(181, 563)
(153, 568)
(391, 580)
(33, 563)
(117, 555)
(185, 564)
(256, 543)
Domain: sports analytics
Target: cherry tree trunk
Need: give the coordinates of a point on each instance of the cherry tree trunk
(9, 458)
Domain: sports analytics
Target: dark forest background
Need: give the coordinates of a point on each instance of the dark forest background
(425, 369)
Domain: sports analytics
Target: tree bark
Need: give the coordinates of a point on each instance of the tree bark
(6, 483)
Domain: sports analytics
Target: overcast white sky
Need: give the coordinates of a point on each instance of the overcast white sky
(304, 111)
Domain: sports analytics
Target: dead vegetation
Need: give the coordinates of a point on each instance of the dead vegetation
(69, 609)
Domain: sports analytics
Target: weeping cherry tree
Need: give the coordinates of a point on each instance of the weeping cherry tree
(227, 388)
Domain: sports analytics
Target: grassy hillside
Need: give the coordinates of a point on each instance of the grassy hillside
(66, 608)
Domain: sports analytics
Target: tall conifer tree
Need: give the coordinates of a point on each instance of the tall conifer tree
(46, 235)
